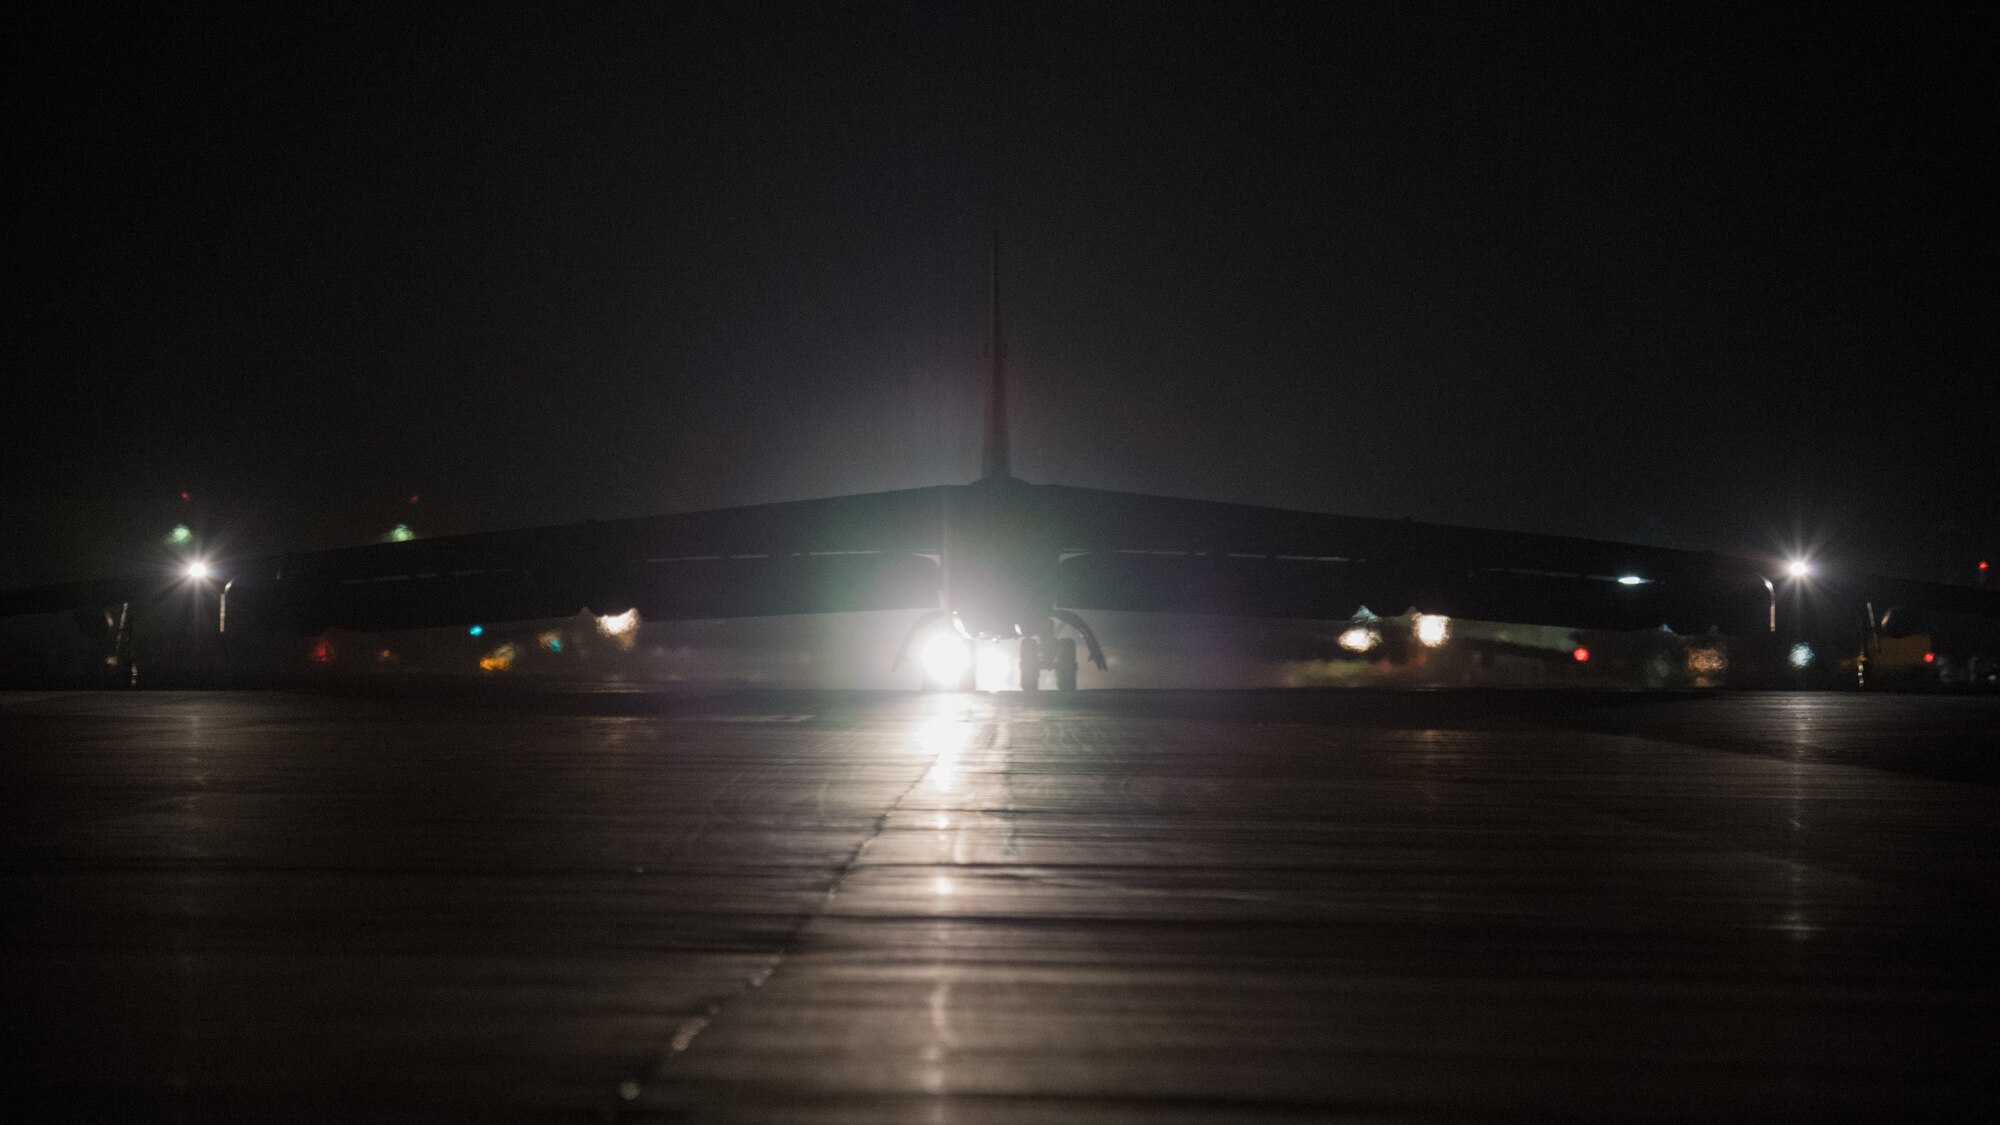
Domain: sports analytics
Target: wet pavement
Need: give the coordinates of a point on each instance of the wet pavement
(1112, 907)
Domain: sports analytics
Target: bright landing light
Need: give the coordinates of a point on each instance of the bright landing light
(197, 569)
(946, 659)
(1631, 580)
(1799, 568)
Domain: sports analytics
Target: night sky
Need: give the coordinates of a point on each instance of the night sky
(1706, 278)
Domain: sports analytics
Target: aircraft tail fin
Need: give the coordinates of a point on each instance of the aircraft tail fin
(994, 460)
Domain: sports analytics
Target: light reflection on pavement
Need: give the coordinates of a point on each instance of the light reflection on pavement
(960, 908)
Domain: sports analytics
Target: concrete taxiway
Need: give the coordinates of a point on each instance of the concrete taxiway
(1109, 907)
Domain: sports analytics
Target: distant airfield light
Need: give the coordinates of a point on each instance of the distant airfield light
(401, 533)
(1630, 580)
(180, 534)
(196, 569)
(622, 628)
(1799, 568)
(946, 658)
(1983, 566)
(321, 651)
(1358, 639)
(1432, 629)
(550, 641)
(499, 660)
(1801, 655)
(1707, 661)
(475, 631)
(1580, 654)
(1930, 658)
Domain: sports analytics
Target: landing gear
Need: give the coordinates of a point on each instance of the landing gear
(1060, 656)
(948, 657)
(1031, 664)
(1065, 663)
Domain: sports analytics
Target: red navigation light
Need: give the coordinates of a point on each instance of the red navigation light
(1581, 654)
(413, 497)
(1982, 564)
(322, 651)
(1930, 658)
(184, 499)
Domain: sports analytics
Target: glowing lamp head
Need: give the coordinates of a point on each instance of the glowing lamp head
(946, 658)
(196, 569)
(180, 534)
(1801, 656)
(1799, 568)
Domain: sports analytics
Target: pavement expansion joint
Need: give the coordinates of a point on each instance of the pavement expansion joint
(657, 1075)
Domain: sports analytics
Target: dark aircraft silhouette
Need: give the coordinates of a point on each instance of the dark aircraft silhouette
(1003, 559)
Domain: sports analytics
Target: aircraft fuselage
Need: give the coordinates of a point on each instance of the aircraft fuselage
(999, 561)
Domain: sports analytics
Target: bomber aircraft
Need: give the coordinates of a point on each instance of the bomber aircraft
(1001, 559)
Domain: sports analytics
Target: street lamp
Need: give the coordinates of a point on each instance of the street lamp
(1796, 569)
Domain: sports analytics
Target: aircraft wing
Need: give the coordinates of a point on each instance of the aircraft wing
(1126, 551)
(1115, 551)
(862, 552)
